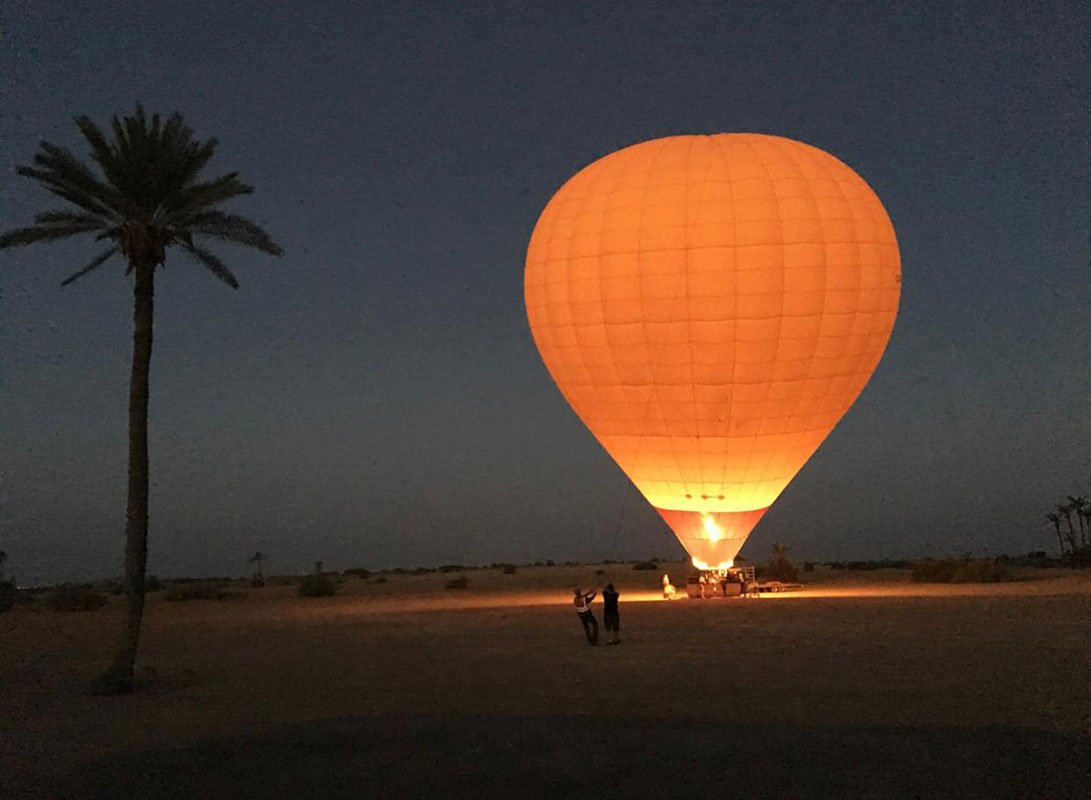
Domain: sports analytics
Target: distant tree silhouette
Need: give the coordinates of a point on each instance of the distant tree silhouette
(1079, 506)
(1055, 518)
(1066, 511)
(257, 558)
(780, 568)
(145, 198)
(3, 559)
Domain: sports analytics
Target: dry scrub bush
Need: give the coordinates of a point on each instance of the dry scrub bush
(74, 597)
(316, 586)
(7, 595)
(200, 591)
(963, 570)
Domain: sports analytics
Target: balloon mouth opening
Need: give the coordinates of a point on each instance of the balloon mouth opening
(706, 567)
(712, 539)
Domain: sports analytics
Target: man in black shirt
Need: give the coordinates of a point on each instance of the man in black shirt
(611, 619)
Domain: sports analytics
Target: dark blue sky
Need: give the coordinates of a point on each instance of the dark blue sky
(374, 398)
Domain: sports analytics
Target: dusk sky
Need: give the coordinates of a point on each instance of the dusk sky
(374, 397)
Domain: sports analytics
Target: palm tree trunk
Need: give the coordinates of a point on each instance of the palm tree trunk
(118, 679)
(1073, 541)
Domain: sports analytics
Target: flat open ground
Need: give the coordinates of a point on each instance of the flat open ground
(865, 685)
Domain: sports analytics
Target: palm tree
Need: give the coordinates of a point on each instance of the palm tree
(780, 568)
(257, 558)
(1056, 520)
(1066, 512)
(147, 199)
(1078, 504)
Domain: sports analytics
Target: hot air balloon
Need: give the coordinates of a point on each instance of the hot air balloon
(710, 307)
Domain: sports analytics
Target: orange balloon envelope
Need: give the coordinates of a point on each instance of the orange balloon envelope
(710, 306)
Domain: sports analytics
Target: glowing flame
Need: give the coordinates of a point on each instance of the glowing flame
(715, 533)
(701, 565)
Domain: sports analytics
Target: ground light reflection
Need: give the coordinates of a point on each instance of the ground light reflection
(348, 606)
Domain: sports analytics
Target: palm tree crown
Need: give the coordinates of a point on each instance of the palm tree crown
(148, 198)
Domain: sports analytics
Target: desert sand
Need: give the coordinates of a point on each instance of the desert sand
(862, 685)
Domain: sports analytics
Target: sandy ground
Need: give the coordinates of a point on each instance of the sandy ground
(864, 685)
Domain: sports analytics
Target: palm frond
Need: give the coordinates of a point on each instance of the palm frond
(99, 260)
(212, 262)
(232, 228)
(44, 233)
(102, 151)
(145, 196)
(210, 193)
(70, 192)
(56, 217)
(67, 170)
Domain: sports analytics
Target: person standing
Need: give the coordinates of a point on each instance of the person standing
(582, 602)
(611, 619)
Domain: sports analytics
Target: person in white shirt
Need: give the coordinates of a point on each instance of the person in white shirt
(582, 602)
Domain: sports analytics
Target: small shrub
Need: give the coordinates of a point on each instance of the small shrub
(646, 565)
(808, 566)
(963, 570)
(380, 579)
(358, 572)
(1080, 557)
(600, 572)
(153, 584)
(256, 583)
(189, 591)
(509, 569)
(884, 563)
(550, 562)
(982, 570)
(461, 582)
(781, 570)
(74, 597)
(200, 591)
(316, 586)
(7, 595)
(932, 571)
